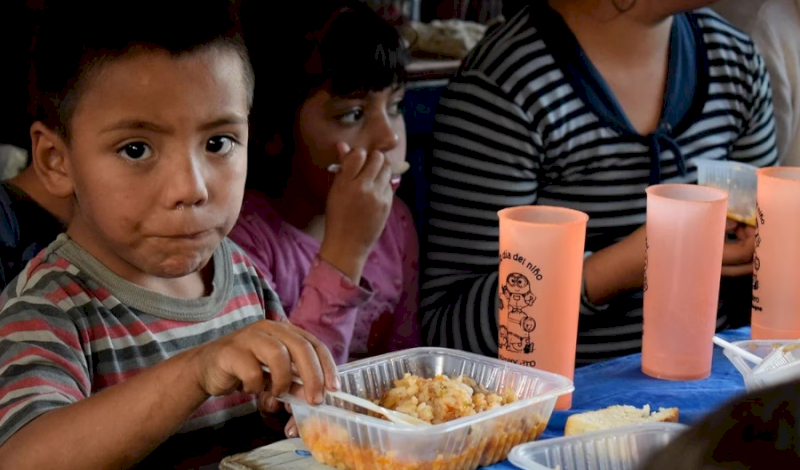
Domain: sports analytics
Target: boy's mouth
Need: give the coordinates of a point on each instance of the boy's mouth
(190, 235)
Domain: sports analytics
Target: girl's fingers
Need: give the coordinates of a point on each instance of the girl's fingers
(385, 175)
(343, 148)
(373, 166)
(352, 163)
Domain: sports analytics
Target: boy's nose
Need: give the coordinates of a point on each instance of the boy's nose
(186, 184)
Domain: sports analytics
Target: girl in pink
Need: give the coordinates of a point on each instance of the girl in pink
(327, 150)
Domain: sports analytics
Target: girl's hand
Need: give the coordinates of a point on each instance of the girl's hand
(235, 360)
(737, 254)
(358, 205)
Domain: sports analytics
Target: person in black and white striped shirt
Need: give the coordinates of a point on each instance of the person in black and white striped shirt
(584, 104)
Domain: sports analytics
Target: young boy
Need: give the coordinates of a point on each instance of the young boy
(143, 320)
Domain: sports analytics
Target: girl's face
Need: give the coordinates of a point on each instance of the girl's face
(369, 120)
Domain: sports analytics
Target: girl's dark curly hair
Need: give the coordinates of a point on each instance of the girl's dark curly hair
(297, 49)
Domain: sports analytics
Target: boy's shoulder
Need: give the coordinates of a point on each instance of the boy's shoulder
(46, 265)
(243, 266)
(49, 285)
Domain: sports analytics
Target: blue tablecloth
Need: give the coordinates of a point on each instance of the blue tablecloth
(621, 382)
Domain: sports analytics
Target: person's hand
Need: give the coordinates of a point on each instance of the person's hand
(358, 205)
(737, 253)
(291, 426)
(235, 360)
(267, 404)
(616, 268)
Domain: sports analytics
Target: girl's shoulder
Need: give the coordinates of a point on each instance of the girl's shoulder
(257, 204)
(257, 215)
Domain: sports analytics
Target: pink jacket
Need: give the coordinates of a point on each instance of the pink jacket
(354, 321)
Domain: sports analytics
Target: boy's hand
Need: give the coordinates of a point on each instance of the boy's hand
(234, 361)
(737, 254)
(358, 205)
(267, 404)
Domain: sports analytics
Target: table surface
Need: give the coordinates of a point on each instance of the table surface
(620, 381)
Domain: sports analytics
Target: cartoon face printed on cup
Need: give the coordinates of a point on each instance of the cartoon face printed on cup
(517, 296)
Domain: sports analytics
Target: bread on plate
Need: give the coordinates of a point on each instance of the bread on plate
(616, 416)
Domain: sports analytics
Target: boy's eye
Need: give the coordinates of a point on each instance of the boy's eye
(136, 151)
(352, 116)
(220, 145)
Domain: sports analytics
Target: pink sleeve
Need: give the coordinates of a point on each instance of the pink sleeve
(406, 321)
(328, 306)
(329, 300)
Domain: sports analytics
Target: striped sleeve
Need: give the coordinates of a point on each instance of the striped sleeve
(757, 145)
(42, 365)
(485, 159)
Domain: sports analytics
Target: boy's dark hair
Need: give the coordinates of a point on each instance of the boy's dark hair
(297, 49)
(750, 432)
(73, 38)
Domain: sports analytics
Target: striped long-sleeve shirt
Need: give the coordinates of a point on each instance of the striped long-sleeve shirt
(517, 127)
(70, 328)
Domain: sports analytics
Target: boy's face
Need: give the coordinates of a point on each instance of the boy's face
(371, 121)
(157, 161)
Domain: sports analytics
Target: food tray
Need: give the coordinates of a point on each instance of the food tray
(342, 438)
(622, 448)
(763, 375)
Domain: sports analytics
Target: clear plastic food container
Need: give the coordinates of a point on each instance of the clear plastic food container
(768, 373)
(738, 179)
(344, 439)
(622, 448)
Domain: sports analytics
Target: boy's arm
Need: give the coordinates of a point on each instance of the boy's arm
(119, 426)
(115, 428)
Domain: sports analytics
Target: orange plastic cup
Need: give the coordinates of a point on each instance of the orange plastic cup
(776, 264)
(539, 287)
(683, 266)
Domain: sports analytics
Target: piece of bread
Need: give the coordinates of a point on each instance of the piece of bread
(616, 416)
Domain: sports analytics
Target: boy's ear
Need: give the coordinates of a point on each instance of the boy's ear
(49, 159)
